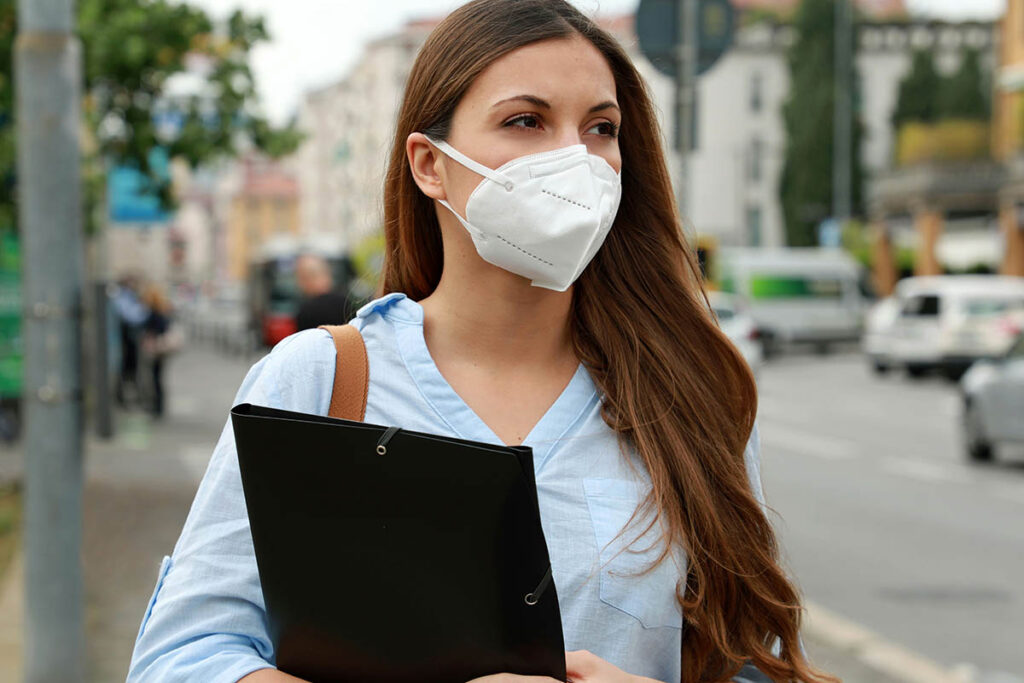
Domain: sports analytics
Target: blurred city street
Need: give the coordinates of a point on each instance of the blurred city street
(881, 519)
(186, 183)
(139, 489)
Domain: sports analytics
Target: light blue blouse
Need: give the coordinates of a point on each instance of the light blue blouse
(206, 621)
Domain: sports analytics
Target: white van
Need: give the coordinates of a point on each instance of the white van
(944, 322)
(803, 295)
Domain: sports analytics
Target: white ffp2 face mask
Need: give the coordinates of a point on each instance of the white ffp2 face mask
(543, 216)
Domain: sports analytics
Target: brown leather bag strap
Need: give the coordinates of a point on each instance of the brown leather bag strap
(351, 373)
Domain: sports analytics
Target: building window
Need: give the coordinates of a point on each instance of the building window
(754, 226)
(755, 160)
(756, 92)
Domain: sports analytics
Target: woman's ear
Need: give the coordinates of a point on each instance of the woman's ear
(426, 164)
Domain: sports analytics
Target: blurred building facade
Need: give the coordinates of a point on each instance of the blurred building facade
(1008, 135)
(140, 249)
(956, 196)
(349, 127)
(261, 199)
(196, 242)
(737, 165)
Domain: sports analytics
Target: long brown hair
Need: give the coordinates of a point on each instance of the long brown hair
(675, 389)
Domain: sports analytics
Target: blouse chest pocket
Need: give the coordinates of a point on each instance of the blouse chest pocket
(649, 597)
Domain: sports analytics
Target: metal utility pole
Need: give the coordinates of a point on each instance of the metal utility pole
(48, 81)
(842, 128)
(686, 94)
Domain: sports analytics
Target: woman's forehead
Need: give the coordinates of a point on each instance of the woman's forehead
(562, 70)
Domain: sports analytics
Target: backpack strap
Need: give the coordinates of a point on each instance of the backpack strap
(351, 373)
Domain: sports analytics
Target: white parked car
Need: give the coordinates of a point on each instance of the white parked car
(944, 322)
(878, 325)
(993, 403)
(739, 326)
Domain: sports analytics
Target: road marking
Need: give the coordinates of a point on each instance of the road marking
(882, 655)
(925, 471)
(775, 435)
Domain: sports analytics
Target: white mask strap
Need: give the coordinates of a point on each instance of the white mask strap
(474, 166)
(469, 228)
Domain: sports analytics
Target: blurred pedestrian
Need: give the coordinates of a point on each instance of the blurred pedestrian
(131, 315)
(321, 304)
(159, 340)
(521, 304)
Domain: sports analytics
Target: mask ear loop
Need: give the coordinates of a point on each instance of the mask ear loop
(466, 224)
(474, 166)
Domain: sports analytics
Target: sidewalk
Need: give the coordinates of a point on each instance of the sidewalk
(138, 490)
(139, 487)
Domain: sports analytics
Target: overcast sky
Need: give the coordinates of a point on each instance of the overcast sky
(314, 42)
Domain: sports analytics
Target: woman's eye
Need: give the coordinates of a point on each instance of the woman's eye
(606, 128)
(524, 121)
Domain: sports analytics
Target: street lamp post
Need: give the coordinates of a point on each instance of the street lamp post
(686, 97)
(48, 81)
(842, 129)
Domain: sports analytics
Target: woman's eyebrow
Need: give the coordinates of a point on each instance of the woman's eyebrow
(532, 99)
(544, 104)
(604, 105)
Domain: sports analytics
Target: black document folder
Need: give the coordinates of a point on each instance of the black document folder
(394, 556)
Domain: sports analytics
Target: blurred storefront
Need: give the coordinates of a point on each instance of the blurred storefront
(1008, 137)
(263, 203)
(955, 192)
(138, 228)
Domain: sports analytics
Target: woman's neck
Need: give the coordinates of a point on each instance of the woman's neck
(499, 320)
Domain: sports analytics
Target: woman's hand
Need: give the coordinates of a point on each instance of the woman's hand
(583, 667)
(269, 676)
(580, 666)
(513, 678)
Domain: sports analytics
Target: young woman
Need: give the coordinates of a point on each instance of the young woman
(154, 335)
(537, 290)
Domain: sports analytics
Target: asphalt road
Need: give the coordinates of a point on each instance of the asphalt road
(883, 520)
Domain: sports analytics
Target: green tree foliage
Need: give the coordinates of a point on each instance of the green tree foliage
(964, 94)
(919, 91)
(806, 184)
(131, 49)
(927, 97)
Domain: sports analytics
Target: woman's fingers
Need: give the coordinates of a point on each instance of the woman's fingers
(514, 678)
(582, 664)
(585, 667)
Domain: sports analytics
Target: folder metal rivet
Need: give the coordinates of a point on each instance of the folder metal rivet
(382, 445)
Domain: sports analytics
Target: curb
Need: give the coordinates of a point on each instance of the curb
(875, 651)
